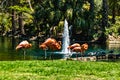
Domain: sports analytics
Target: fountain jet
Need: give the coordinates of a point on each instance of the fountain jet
(66, 40)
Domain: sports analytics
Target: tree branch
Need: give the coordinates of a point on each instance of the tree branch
(30, 5)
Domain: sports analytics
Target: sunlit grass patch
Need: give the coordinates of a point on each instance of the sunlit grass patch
(58, 70)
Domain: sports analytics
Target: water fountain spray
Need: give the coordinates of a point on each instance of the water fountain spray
(66, 39)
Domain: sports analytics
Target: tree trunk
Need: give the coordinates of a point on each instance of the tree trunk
(91, 20)
(13, 22)
(113, 13)
(3, 29)
(21, 26)
(104, 15)
(13, 18)
(72, 22)
(30, 5)
(92, 10)
(102, 38)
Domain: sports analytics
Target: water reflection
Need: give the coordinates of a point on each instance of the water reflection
(8, 52)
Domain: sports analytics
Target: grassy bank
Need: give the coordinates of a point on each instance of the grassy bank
(59, 70)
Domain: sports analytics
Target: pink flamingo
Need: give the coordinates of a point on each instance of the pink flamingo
(23, 45)
(51, 44)
(77, 48)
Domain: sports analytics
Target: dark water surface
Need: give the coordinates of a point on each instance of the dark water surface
(8, 52)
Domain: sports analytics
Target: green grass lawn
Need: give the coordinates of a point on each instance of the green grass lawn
(59, 70)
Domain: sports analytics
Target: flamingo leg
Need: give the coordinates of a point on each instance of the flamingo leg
(51, 56)
(77, 56)
(70, 54)
(82, 55)
(24, 53)
(45, 55)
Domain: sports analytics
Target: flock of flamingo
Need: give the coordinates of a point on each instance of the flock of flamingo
(52, 44)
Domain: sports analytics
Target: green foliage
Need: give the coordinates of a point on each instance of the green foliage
(98, 5)
(60, 26)
(52, 12)
(5, 21)
(20, 9)
(57, 69)
(114, 28)
(83, 15)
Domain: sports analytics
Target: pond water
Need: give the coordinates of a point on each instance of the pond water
(8, 52)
